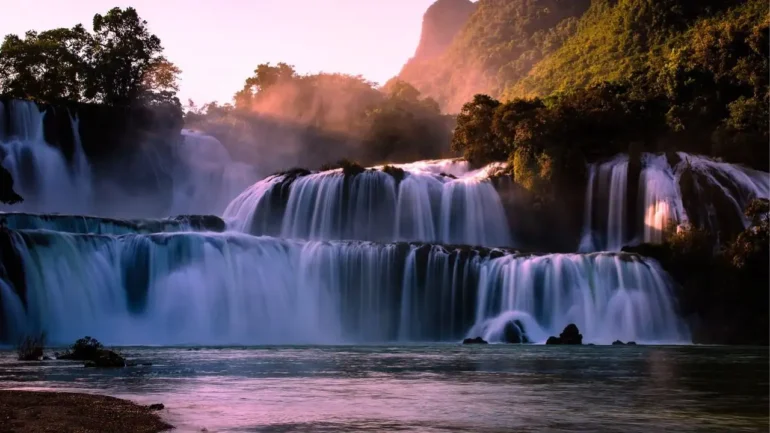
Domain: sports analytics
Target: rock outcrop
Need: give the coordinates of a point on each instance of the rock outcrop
(570, 335)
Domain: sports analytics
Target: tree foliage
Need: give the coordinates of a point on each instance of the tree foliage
(326, 117)
(119, 63)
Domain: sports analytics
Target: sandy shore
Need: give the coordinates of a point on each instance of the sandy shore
(33, 411)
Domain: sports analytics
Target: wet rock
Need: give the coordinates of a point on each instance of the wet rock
(618, 343)
(514, 333)
(106, 359)
(477, 340)
(570, 335)
(47, 358)
(631, 343)
(157, 406)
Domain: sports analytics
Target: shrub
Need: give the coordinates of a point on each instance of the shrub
(30, 348)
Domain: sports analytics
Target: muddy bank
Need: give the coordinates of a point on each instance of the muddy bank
(33, 411)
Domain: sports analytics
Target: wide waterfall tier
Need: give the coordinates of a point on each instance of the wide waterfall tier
(98, 225)
(625, 206)
(177, 288)
(440, 201)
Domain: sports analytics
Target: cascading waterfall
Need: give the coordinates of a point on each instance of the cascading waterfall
(430, 204)
(176, 288)
(695, 188)
(205, 177)
(41, 172)
(371, 255)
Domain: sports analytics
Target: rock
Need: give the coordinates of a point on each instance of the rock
(106, 359)
(514, 333)
(46, 358)
(477, 340)
(618, 343)
(631, 343)
(157, 406)
(570, 335)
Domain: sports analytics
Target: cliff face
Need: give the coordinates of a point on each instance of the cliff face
(485, 47)
(440, 24)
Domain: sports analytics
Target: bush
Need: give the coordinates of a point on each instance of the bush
(30, 348)
(86, 348)
(397, 173)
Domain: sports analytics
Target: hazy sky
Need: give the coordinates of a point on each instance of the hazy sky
(217, 44)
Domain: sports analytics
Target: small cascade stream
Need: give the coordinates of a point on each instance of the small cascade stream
(695, 189)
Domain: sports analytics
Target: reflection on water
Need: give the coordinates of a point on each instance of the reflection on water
(437, 388)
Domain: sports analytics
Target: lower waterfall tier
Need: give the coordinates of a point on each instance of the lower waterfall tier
(225, 288)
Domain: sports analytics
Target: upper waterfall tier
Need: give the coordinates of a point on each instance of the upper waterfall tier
(177, 288)
(428, 201)
(625, 206)
(192, 173)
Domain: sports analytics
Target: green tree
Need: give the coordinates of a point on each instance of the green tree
(124, 54)
(46, 66)
(265, 76)
(473, 136)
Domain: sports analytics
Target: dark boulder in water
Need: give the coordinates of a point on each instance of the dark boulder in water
(514, 333)
(570, 335)
(618, 343)
(94, 354)
(106, 359)
(477, 340)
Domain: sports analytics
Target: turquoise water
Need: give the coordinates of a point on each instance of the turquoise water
(433, 388)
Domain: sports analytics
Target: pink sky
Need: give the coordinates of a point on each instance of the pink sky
(217, 44)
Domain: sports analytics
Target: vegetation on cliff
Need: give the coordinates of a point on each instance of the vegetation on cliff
(498, 45)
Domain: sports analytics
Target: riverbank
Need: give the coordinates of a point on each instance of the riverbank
(36, 411)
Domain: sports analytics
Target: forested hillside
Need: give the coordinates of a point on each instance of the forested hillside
(497, 46)
(521, 48)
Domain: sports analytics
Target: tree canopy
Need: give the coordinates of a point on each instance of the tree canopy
(118, 63)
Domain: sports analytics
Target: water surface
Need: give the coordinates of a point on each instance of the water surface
(433, 388)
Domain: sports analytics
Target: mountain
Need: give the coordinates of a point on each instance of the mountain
(616, 39)
(496, 46)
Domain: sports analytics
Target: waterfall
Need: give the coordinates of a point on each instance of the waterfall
(694, 189)
(436, 201)
(205, 177)
(41, 172)
(187, 287)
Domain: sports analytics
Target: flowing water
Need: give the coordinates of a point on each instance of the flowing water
(441, 201)
(434, 388)
(403, 255)
(718, 195)
(228, 288)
